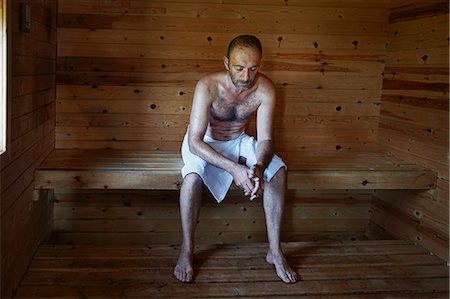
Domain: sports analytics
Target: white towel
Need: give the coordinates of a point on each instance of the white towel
(217, 179)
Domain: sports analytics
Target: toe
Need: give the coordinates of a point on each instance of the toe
(294, 277)
(283, 276)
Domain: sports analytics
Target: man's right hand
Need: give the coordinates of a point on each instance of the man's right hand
(242, 176)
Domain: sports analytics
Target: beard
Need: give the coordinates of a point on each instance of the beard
(240, 84)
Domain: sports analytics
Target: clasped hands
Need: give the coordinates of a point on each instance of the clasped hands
(249, 179)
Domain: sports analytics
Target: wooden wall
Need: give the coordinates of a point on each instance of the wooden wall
(31, 106)
(127, 69)
(414, 120)
(152, 217)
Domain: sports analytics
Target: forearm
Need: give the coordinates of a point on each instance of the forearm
(264, 153)
(210, 155)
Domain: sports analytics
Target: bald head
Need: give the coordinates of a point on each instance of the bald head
(244, 41)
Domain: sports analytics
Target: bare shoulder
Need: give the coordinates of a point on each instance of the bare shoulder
(212, 80)
(266, 88)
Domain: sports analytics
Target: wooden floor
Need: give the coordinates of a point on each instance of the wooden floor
(327, 269)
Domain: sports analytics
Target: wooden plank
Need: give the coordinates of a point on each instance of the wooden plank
(340, 65)
(218, 227)
(363, 247)
(41, 49)
(31, 158)
(236, 262)
(421, 206)
(168, 23)
(87, 119)
(85, 179)
(111, 198)
(270, 41)
(301, 3)
(23, 85)
(427, 57)
(411, 149)
(176, 134)
(160, 106)
(242, 212)
(170, 179)
(421, 116)
(25, 65)
(405, 227)
(323, 144)
(239, 289)
(329, 171)
(25, 179)
(428, 134)
(318, 80)
(131, 238)
(184, 92)
(414, 11)
(420, 26)
(28, 122)
(234, 12)
(147, 276)
(361, 180)
(372, 268)
(422, 102)
(31, 102)
(163, 51)
(327, 264)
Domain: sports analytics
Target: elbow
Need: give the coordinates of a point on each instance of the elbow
(267, 142)
(193, 146)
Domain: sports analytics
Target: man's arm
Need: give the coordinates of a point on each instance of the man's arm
(198, 125)
(264, 125)
(264, 129)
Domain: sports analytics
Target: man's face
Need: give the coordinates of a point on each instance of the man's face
(243, 65)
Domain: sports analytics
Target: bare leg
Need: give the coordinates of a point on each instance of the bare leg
(190, 203)
(273, 208)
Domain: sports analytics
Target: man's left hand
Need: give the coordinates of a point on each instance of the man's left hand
(256, 174)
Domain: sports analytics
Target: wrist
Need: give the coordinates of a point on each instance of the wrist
(260, 166)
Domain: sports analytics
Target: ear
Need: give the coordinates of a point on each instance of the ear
(226, 62)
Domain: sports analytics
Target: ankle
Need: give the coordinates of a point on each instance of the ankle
(275, 249)
(187, 248)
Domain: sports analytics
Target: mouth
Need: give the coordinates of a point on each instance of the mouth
(243, 83)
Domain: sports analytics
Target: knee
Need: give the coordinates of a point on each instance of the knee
(279, 179)
(281, 174)
(192, 180)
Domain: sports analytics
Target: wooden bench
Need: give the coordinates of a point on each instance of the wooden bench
(118, 169)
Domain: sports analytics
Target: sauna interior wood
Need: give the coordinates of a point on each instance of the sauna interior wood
(98, 98)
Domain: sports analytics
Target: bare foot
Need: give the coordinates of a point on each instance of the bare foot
(284, 271)
(184, 270)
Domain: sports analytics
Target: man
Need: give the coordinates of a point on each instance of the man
(216, 151)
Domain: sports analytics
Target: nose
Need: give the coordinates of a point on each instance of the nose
(245, 74)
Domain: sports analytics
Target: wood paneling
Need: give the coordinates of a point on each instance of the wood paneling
(143, 170)
(131, 66)
(25, 224)
(414, 120)
(152, 217)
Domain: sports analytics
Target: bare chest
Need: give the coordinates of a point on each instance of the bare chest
(230, 110)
